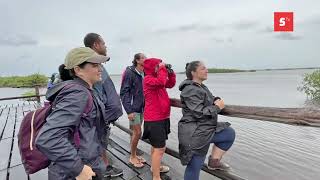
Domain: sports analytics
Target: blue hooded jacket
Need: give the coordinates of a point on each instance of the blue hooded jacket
(131, 91)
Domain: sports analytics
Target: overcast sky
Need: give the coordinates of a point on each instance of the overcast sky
(36, 35)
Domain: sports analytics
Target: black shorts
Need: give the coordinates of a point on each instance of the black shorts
(156, 132)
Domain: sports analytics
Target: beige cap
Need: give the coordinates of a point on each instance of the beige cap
(83, 54)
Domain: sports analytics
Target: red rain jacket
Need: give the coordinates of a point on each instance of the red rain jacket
(157, 103)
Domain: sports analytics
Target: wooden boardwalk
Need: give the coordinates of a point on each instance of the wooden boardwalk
(11, 167)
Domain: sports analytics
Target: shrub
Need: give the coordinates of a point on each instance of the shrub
(311, 85)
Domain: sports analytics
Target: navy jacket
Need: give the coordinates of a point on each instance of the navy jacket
(108, 94)
(55, 138)
(131, 91)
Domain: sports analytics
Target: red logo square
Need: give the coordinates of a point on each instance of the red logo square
(283, 21)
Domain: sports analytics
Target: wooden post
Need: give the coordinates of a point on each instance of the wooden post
(37, 93)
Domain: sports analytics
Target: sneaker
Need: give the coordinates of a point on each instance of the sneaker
(113, 172)
(216, 164)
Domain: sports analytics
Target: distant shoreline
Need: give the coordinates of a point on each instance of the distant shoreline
(217, 70)
(285, 69)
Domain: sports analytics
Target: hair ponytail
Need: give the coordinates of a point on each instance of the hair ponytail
(192, 66)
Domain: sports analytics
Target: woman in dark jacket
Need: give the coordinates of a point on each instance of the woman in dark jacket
(198, 127)
(75, 158)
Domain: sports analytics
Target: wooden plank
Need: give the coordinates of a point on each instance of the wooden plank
(41, 175)
(5, 150)
(15, 158)
(124, 156)
(127, 172)
(27, 108)
(18, 120)
(17, 173)
(9, 127)
(3, 120)
(172, 173)
(3, 175)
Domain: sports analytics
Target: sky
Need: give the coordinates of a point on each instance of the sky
(36, 35)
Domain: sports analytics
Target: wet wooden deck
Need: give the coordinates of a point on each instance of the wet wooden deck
(11, 167)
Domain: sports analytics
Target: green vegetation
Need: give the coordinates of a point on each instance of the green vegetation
(311, 85)
(24, 81)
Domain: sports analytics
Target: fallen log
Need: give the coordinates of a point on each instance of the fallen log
(293, 116)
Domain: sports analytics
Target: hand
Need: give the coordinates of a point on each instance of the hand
(162, 64)
(131, 116)
(86, 173)
(219, 103)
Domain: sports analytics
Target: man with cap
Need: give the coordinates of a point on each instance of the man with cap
(108, 94)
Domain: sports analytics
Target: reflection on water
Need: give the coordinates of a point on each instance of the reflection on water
(262, 150)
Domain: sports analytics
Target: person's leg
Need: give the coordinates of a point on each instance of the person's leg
(136, 134)
(222, 140)
(111, 171)
(192, 171)
(156, 161)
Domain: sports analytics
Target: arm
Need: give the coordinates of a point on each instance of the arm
(125, 92)
(194, 100)
(53, 138)
(157, 82)
(171, 80)
(113, 107)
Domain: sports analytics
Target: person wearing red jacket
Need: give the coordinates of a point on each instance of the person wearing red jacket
(158, 77)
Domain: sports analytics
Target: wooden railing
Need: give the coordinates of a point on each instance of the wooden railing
(37, 96)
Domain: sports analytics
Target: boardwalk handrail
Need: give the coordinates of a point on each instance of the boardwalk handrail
(293, 116)
(21, 97)
(37, 96)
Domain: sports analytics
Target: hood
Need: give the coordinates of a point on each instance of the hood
(150, 65)
(186, 83)
(54, 90)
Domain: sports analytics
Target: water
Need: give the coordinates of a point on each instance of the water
(262, 150)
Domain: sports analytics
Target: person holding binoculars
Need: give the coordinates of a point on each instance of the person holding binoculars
(158, 77)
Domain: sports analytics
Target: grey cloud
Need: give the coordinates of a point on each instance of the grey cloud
(188, 28)
(125, 40)
(222, 40)
(244, 25)
(316, 20)
(287, 36)
(267, 29)
(17, 40)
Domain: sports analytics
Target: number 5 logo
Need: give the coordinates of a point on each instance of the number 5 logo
(283, 21)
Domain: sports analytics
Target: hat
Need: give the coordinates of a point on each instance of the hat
(83, 54)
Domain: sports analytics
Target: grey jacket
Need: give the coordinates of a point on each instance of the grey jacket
(56, 139)
(199, 121)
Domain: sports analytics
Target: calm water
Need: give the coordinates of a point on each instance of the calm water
(262, 150)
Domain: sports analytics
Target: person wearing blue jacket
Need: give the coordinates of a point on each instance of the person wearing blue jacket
(132, 98)
(106, 90)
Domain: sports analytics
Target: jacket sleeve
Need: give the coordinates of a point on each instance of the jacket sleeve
(53, 139)
(171, 81)
(125, 92)
(113, 107)
(194, 100)
(159, 81)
